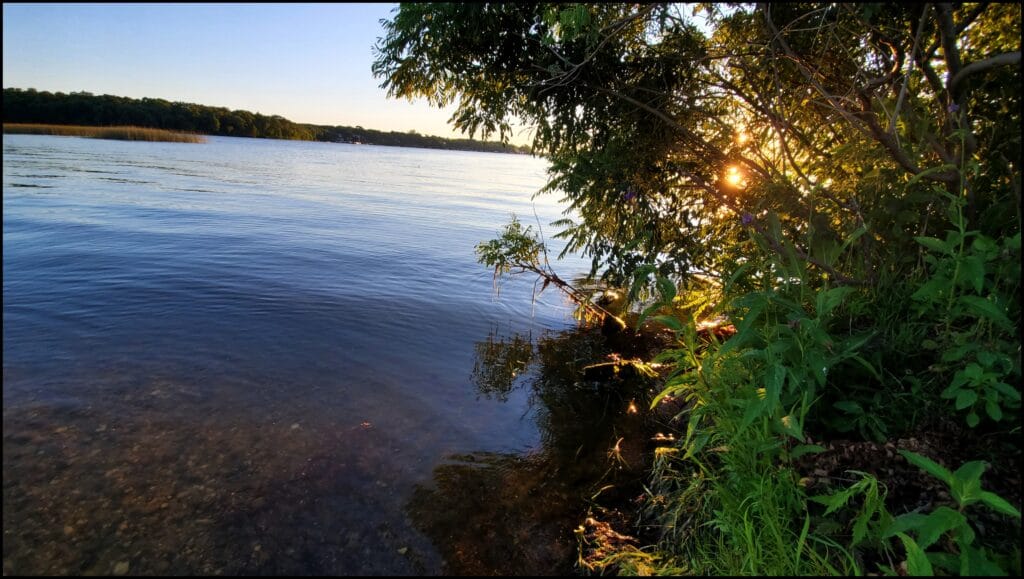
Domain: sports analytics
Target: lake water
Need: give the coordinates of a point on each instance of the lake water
(246, 356)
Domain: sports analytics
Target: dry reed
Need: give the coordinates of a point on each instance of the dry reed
(119, 133)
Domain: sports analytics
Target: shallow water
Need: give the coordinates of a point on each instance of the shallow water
(250, 356)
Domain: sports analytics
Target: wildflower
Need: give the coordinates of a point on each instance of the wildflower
(953, 107)
(746, 218)
(630, 194)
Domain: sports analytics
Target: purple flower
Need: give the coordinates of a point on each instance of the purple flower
(746, 218)
(630, 194)
(953, 107)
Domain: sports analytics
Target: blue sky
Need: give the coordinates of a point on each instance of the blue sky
(309, 63)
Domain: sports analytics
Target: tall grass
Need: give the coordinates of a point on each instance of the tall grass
(118, 133)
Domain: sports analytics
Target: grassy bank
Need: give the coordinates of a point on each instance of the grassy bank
(118, 133)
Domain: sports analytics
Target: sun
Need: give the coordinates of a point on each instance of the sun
(733, 176)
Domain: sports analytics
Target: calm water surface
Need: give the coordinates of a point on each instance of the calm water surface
(244, 356)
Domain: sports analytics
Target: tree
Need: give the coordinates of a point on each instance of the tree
(642, 114)
(846, 175)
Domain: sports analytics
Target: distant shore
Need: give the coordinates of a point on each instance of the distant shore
(122, 133)
(89, 111)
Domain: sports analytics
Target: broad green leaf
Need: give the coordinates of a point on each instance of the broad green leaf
(928, 465)
(936, 524)
(993, 410)
(754, 410)
(671, 322)
(958, 352)
(932, 289)
(999, 504)
(983, 244)
(829, 299)
(973, 419)
(975, 562)
(965, 398)
(1007, 390)
(917, 563)
(791, 426)
(966, 485)
(986, 309)
(973, 269)
(904, 523)
(934, 244)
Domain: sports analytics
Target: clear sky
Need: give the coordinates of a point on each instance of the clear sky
(309, 63)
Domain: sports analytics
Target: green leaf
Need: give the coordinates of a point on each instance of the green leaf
(928, 465)
(1007, 390)
(945, 561)
(973, 269)
(640, 279)
(667, 289)
(965, 398)
(999, 504)
(754, 410)
(966, 485)
(917, 562)
(774, 379)
(973, 419)
(849, 406)
(904, 523)
(1013, 242)
(936, 524)
(829, 299)
(976, 562)
(932, 289)
(987, 309)
(671, 322)
(934, 244)
(867, 366)
(930, 171)
(836, 501)
(791, 426)
(802, 449)
(993, 410)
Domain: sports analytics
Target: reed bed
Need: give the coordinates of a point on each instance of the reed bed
(119, 133)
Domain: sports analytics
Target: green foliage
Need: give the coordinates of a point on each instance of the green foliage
(973, 289)
(517, 248)
(863, 236)
(919, 534)
(964, 484)
(965, 487)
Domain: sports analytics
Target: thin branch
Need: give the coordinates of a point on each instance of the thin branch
(1007, 58)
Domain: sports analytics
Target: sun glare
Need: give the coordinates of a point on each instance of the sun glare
(733, 176)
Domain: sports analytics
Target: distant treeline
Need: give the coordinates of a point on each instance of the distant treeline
(83, 108)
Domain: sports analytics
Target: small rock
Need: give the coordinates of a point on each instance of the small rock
(403, 550)
(69, 530)
(121, 568)
(295, 426)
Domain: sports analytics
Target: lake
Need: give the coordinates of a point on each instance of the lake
(250, 356)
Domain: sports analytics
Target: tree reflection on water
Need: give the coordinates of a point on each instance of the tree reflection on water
(506, 514)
